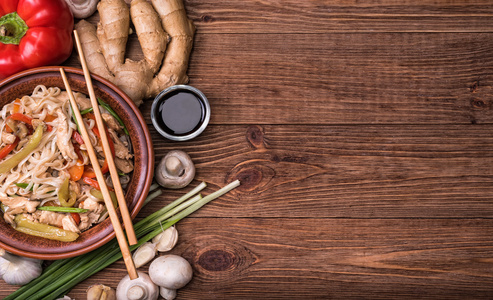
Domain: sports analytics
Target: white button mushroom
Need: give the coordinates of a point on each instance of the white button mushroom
(170, 272)
(175, 170)
(82, 8)
(141, 288)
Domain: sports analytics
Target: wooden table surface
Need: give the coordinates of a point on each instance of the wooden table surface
(362, 133)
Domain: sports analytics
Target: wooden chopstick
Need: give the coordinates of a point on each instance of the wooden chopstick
(115, 220)
(127, 220)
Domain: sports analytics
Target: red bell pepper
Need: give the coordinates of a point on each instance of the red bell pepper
(7, 149)
(34, 33)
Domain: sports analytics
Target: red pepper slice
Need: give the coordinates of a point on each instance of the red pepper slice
(93, 183)
(110, 141)
(77, 137)
(25, 119)
(21, 117)
(39, 33)
(76, 218)
(7, 149)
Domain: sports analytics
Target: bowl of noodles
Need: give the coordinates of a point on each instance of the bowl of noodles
(51, 206)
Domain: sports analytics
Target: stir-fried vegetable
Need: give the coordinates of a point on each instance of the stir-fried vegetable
(62, 275)
(15, 159)
(63, 209)
(66, 197)
(43, 230)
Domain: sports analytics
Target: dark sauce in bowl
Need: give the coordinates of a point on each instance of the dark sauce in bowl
(180, 112)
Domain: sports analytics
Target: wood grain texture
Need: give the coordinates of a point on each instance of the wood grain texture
(344, 171)
(362, 134)
(380, 78)
(331, 258)
(279, 16)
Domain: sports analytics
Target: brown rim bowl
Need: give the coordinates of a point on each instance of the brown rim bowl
(23, 83)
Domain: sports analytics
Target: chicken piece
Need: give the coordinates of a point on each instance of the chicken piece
(36, 122)
(8, 138)
(111, 122)
(63, 137)
(17, 205)
(92, 216)
(49, 217)
(124, 165)
(121, 150)
(81, 99)
(69, 224)
(92, 205)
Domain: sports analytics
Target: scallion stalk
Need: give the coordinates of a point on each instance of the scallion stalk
(63, 209)
(62, 275)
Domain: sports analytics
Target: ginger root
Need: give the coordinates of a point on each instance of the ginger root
(164, 33)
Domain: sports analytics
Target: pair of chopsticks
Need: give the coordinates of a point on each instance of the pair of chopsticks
(115, 221)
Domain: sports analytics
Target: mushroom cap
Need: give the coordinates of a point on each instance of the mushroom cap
(82, 9)
(175, 170)
(139, 288)
(170, 271)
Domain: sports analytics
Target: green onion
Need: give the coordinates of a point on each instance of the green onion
(62, 275)
(114, 114)
(73, 118)
(63, 209)
(22, 185)
(87, 110)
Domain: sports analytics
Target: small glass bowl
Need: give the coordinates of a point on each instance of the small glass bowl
(179, 113)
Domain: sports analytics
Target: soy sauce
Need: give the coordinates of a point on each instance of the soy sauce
(180, 112)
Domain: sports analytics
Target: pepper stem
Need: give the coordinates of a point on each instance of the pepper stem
(12, 29)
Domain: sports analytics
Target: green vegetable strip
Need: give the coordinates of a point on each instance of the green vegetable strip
(28, 148)
(22, 185)
(63, 209)
(114, 114)
(63, 275)
(55, 270)
(168, 207)
(146, 228)
(87, 110)
(73, 118)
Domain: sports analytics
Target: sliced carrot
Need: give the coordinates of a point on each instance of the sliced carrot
(49, 118)
(17, 106)
(89, 170)
(76, 171)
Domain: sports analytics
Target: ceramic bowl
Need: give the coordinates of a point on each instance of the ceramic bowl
(23, 84)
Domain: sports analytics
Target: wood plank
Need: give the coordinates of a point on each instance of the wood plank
(319, 16)
(343, 171)
(329, 258)
(323, 79)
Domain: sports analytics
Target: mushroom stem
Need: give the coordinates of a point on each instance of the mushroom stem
(174, 166)
(175, 170)
(136, 293)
